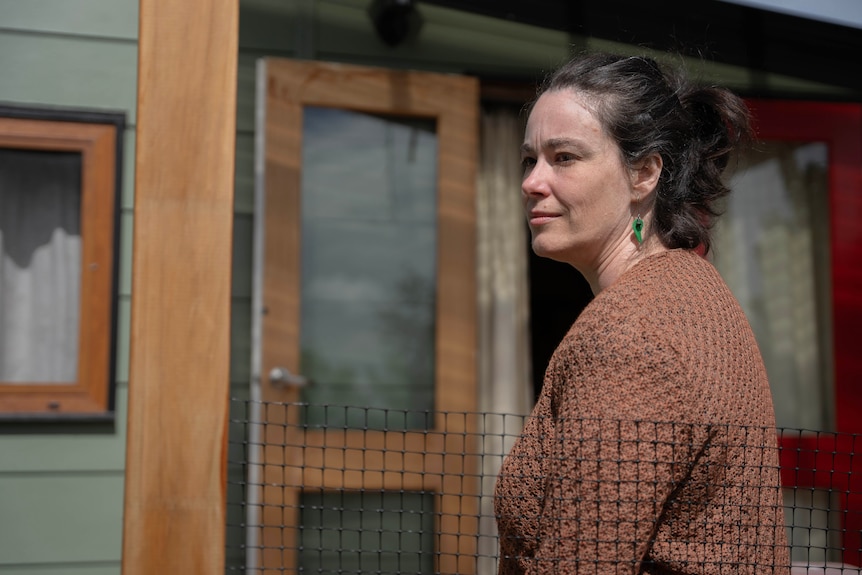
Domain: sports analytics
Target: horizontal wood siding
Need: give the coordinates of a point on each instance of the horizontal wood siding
(94, 18)
(61, 485)
(60, 517)
(66, 568)
(68, 71)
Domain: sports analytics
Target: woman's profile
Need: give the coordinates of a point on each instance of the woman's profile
(652, 446)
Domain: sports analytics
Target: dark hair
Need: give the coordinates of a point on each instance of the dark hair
(648, 109)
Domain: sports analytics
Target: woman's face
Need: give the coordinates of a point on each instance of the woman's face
(577, 193)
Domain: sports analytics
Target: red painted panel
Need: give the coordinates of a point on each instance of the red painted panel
(831, 462)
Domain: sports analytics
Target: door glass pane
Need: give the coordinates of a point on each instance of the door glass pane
(367, 532)
(40, 265)
(772, 248)
(813, 523)
(369, 214)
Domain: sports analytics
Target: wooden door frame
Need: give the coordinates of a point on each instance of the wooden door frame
(175, 489)
(291, 459)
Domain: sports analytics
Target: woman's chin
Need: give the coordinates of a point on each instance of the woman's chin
(544, 250)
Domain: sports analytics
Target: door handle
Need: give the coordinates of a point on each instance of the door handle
(282, 377)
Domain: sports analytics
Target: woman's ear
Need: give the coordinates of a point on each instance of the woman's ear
(645, 175)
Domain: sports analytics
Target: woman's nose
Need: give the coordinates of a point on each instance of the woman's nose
(535, 182)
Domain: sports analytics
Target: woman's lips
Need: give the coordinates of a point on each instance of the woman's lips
(539, 218)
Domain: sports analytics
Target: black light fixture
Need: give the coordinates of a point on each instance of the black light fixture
(395, 20)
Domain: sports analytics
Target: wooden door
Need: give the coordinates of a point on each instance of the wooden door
(351, 256)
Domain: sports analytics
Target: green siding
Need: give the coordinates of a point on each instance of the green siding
(244, 192)
(68, 71)
(61, 485)
(65, 448)
(267, 25)
(245, 93)
(127, 198)
(241, 279)
(99, 18)
(67, 568)
(124, 312)
(125, 246)
(240, 340)
(60, 517)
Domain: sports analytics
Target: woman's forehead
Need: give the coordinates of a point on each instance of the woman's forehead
(562, 115)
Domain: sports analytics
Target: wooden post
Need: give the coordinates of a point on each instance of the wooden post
(175, 502)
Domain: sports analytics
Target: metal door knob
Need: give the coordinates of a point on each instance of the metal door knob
(282, 377)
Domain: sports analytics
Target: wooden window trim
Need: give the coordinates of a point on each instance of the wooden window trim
(97, 136)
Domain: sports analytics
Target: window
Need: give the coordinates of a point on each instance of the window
(59, 185)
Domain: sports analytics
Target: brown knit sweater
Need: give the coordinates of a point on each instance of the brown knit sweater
(652, 447)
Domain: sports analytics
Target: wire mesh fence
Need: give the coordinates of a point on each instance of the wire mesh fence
(332, 489)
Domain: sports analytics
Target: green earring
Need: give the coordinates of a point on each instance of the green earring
(638, 226)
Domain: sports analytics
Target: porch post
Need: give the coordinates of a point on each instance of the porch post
(175, 500)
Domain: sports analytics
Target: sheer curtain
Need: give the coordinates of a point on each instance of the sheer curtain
(40, 263)
(772, 248)
(505, 386)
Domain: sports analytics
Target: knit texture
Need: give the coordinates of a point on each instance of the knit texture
(652, 446)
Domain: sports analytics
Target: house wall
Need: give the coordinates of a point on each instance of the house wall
(61, 486)
(341, 31)
(449, 42)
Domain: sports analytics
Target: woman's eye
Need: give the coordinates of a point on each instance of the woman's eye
(528, 162)
(565, 157)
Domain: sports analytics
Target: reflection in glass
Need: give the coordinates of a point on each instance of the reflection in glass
(772, 248)
(367, 532)
(369, 208)
(813, 525)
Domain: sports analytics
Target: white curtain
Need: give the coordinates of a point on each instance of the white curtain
(40, 263)
(505, 386)
(772, 248)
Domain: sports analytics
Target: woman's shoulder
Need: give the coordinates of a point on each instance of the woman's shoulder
(677, 278)
(674, 271)
(673, 280)
(670, 331)
(674, 300)
(628, 338)
(649, 306)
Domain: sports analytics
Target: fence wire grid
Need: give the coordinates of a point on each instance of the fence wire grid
(330, 489)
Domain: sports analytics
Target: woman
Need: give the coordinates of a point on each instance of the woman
(652, 447)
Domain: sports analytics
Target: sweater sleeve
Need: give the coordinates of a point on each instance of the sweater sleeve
(619, 453)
